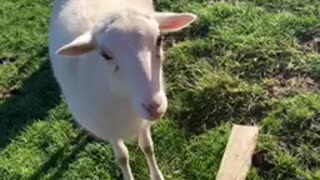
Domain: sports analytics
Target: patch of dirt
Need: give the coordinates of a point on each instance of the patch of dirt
(281, 86)
(259, 160)
(7, 60)
(169, 41)
(4, 94)
(311, 42)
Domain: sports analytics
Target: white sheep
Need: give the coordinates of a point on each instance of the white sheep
(106, 57)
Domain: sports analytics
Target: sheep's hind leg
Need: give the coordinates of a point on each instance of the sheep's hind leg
(122, 155)
(146, 145)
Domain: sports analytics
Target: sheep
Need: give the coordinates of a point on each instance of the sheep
(107, 59)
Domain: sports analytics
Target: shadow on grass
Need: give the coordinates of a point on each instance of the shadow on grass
(39, 94)
(213, 106)
(33, 101)
(62, 161)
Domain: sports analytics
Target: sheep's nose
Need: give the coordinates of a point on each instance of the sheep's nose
(156, 106)
(154, 109)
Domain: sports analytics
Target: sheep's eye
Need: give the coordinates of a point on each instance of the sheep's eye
(159, 40)
(106, 56)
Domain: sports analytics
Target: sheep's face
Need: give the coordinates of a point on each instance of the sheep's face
(133, 42)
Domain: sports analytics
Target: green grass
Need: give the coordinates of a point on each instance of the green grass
(242, 62)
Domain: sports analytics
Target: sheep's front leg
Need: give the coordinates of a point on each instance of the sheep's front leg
(122, 156)
(146, 145)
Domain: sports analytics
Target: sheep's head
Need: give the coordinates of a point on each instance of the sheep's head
(132, 41)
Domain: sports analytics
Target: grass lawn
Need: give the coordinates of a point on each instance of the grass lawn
(247, 62)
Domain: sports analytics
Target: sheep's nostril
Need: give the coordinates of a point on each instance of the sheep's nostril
(155, 106)
(153, 109)
(146, 107)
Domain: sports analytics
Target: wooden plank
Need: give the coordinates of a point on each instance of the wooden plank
(236, 160)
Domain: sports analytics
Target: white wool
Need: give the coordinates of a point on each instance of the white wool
(84, 80)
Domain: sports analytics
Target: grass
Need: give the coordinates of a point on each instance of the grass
(247, 62)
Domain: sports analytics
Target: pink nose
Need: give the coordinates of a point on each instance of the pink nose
(154, 109)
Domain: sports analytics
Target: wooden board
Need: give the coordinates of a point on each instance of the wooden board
(236, 160)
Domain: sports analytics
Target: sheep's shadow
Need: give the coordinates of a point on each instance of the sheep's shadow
(59, 162)
(58, 159)
(38, 94)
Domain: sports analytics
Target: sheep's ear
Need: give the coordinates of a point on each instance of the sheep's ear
(81, 45)
(171, 22)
